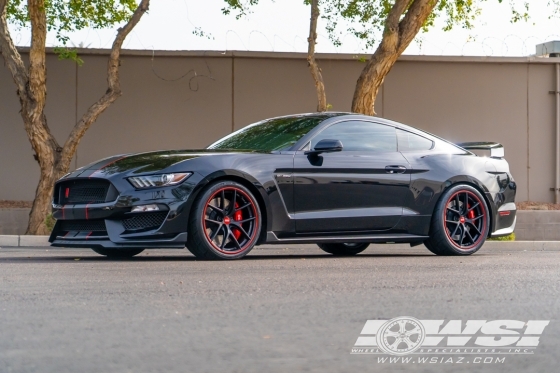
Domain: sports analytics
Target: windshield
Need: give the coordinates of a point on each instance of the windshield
(269, 135)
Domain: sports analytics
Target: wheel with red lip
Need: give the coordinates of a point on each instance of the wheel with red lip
(460, 222)
(225, 222)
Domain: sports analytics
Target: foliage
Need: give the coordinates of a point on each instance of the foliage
(50, 221)
(365, 19)
(510, 237)
(65, 16)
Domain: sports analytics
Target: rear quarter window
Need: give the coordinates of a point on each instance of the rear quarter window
(409, 141)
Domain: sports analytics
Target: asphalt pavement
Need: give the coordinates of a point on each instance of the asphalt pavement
(281, 309)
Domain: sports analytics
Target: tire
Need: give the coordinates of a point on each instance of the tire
(118, 253)
(343, 249)
(225, 222)
(460, 222)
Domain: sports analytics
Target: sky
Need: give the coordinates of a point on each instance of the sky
(283, 25)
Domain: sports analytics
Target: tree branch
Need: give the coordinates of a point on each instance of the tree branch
(413, 20)
(313, 66)
(37, 59)
(113, 91)
(12, 58)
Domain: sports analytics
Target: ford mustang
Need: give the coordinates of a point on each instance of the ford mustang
(339, 180)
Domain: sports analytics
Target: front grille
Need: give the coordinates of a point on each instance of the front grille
(145, 221)
(83, 191)
(83, 225)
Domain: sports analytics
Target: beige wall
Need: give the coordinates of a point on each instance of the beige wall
(459, 98)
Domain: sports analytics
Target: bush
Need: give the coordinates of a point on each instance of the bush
(510, 237)
(50, 221)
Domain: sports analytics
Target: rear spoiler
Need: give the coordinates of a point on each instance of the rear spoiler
(496, 150)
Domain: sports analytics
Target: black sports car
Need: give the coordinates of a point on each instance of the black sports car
(340, 180)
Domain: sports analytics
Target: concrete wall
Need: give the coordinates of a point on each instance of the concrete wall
(166, 106)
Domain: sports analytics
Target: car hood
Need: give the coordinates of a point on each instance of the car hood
(150, 161)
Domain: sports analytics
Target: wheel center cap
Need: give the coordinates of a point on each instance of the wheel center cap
(226, 220)
(462, 219)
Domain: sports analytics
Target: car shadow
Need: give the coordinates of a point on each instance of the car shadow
(189, 258)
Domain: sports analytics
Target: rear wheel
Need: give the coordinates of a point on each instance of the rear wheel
(118, 253)
(343, 249)
(225, 222)
(460, 222)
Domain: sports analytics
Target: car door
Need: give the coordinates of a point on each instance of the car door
(359, 189)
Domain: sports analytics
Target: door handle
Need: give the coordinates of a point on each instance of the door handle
(395, 169)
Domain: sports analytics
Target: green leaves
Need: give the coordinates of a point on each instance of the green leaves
(64, 53)
(365, 19)
(65, 16)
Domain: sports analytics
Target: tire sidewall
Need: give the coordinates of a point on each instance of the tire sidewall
(200, 211)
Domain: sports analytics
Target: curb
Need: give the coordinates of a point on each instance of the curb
(23, 241)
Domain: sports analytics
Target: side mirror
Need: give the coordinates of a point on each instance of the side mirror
(326, 146)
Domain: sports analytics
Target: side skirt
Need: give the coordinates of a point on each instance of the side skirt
(271, 238)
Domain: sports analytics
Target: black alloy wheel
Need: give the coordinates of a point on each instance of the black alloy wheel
(460, 223)
(343, 249)
(225, 222)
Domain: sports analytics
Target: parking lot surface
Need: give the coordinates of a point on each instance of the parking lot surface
(281, 309)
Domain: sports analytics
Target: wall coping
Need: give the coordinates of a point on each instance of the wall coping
(303, 56)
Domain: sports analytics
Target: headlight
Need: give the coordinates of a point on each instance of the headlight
(152, 181)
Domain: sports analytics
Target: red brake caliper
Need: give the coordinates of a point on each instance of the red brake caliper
(237, 216)
(470, 214)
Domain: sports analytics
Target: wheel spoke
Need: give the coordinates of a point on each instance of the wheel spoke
(474, 226)
(416, 330)
(454, 211)
(216, 232)
(213, 221)
(216, 209)
(402, 326)
(475, 206)
(408, 342)
(455, 231)
(396, 343)
(478, 217)
(469, 234)
(391, 333)
(462, 236)
(232, 203)
(226, 234)
(242, 207)
(458, 202)
(452, 221)
(238, 226)
(223, 200)
(230, 233)
(243, 221)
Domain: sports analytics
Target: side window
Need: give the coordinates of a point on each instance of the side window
(411, 142)
(360, 136)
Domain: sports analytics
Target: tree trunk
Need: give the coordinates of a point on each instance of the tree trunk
(313, 66)
(397, 36)
(54, 161)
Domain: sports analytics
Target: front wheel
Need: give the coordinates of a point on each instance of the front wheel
(225, 222)
(343, 249)
(460, 222)
(118, 253)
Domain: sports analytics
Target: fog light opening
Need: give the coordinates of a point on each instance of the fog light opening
(145, 208)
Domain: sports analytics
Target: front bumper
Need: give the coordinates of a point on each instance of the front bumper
(112, 224)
